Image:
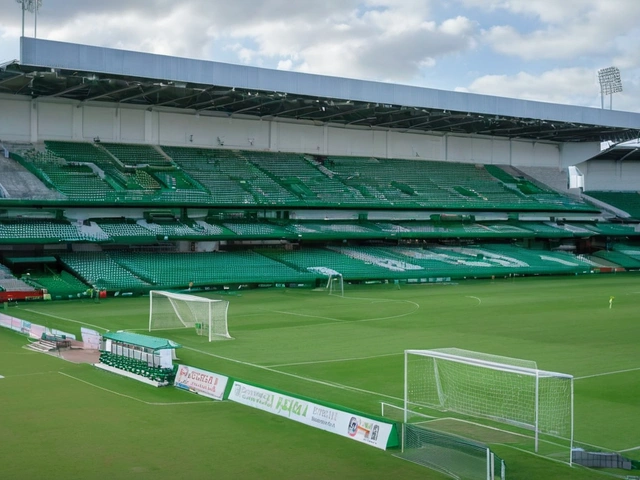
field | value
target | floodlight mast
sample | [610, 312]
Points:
[610, 83]
[32, 6]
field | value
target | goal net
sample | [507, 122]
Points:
[169, 310]
[493, 387]
[335, 285]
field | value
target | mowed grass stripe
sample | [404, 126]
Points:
[562, 323]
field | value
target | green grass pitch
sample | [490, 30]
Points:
[60, 420]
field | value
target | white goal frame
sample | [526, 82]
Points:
[335, 285]
[207, 316]
[531, 390]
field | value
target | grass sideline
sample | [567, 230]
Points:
[82, 422]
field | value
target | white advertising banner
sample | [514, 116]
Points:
[203, 383]
[349, 425]
[90, 338]
[36, 331]
[5, 320]
[28, 328]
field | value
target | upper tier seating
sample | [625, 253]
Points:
[626, 201]
[197, 176]
[38, 231]
[230, 178]
[130, 154]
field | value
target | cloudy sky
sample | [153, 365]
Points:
[548, 50]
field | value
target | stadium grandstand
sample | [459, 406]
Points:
[127, 172]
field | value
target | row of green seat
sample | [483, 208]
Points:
[59, 285]
[138, 367]
[139, 173]
[143, 271]
[120, 230]
[628, 202]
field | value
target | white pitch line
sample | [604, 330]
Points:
[534, 454]
[332, 361]
[129, 396]
[630, 449]
[607, 373]
[30, 374]
[346, 322]
[299, 377]
[65, 319]
[575, 465]
[476, 298]
[309, 316]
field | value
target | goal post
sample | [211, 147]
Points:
[335, 285]
[168, 310]
[501, 389]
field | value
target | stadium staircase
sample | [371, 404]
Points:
[43, 345]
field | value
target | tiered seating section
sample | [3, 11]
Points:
[178, 175]
[59, 285]
[628, 202]
[143, 271]
[150, 231]
[138, 367]
[131, 271]
[9, 283]
[17, 230]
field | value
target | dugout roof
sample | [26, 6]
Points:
[137, 339]
[84, 73]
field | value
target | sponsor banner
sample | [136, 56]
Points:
[26, 327]
[207, 384]
[349, 425]
[36, 331]
[16, 324]
[31, 329]
[90, 338]
[5, 320]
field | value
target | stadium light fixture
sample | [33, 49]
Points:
[32, 6]
[610, 83]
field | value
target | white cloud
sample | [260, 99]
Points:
[556, 45]
[568, 28]
[374, 39]
[381, 45]
[576, 86]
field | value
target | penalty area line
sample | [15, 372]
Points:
[332, 361]
[129, 396]
[607, 373]
[65, 319]
[630, 449]
[299, 377]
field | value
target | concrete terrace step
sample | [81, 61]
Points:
[43, 346]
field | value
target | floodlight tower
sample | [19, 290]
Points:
[32, 6]
[610, 83]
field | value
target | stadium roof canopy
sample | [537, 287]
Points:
[629, 152]
[94, 74]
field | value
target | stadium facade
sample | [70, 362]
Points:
[125, 172]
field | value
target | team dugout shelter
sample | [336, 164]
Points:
[139, 355]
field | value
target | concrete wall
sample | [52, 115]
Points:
[611, 175]
[23, 119]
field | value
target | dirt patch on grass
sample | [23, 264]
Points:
[80, 355]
